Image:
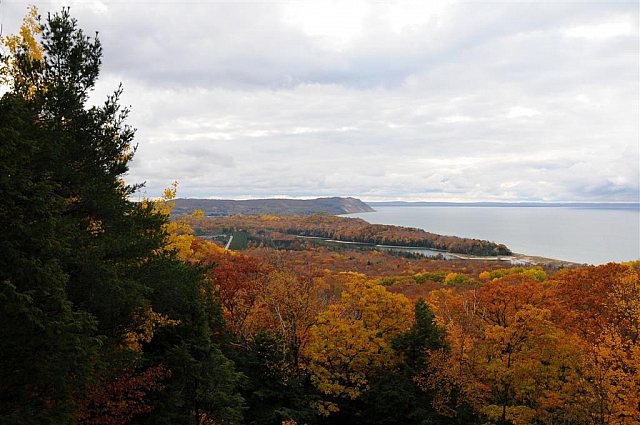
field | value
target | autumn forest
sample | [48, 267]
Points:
[115, 311]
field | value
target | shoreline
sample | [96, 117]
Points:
[515, 258]
[522, 259]
[566, 237]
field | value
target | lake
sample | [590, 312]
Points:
[581, 235]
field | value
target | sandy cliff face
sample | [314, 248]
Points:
[353, 205]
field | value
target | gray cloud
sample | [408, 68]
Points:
[421, 101]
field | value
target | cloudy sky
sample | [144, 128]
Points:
[433, 101]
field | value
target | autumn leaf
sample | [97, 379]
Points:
[353, 338]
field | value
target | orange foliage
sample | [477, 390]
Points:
[238, 280]
[349, 229]
[524, 344]
[118, 401]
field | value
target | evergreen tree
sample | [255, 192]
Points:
[275, 390]
[48, 349]
[424, 335]
[91, 303]
[395, 390]
[203, 380]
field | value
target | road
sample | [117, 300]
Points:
[228, 243]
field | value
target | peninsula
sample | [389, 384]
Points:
[225, 207]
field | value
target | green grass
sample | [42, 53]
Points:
[239, 241]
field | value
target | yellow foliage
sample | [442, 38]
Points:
[440, 301]
[324, 408]
[179, 232]
[614, 362]
[516, 415]
[267, 217]
[353, 338]
[23, 44]
[535, 362]
[484, 276]
[455, 279]
[145, 321]
[95, 227]
[536, 272]
[291, 302]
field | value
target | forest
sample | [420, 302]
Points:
[112, 312]
[348, 230]
[221, 207]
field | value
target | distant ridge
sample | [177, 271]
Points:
[591, 205]
[223, 207]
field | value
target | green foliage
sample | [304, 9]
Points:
[45, 356]
[80, 260]
[536, 272]
[419, 278]
[394, 399]
[202, 387]
[456, 279]
[395, 390]
[425, 335]
[203, 380]
[47, 349]
[239, 241]
[274, 390]
[422, 278]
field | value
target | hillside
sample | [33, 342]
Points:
[346, 229]
[224, 207]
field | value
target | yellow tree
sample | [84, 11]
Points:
[179, 232]
[352, 339]
[21, 59]
[145, 322]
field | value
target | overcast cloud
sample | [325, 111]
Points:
[434, 101]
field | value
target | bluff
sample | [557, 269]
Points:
[224, 207]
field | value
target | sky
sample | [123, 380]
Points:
[386, 100]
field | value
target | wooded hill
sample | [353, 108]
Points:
[348, 229]
[221, 207]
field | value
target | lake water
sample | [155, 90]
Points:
[581, 235]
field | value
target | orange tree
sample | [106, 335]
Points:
[601, 305]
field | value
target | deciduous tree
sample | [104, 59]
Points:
[353, 339]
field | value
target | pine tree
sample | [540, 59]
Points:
[48, 349]
[91, 301]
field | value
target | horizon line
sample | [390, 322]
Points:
[309, 198]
